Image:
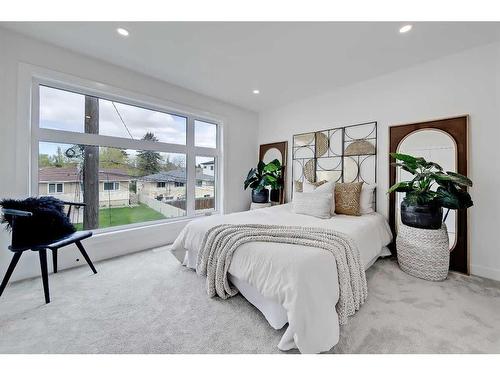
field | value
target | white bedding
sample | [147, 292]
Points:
[301, 280]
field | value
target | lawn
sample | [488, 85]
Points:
[111, 217]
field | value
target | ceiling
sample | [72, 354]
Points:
[286, 61]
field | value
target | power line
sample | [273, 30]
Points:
[123, 122]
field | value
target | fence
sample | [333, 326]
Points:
[200, 203]
[165, 209]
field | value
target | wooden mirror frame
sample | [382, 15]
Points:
[282, 147]
[457, 128]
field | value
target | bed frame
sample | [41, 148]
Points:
[343, 154]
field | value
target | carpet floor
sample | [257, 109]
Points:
[147, 303]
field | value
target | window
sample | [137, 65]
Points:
[115, 119]
[127, 161]
[111, 186]
[56, 188]
[205, 183]
[205, 134]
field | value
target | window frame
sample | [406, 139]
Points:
[107, 92]
[116, 185]
[55, 187]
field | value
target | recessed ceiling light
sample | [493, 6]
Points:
[405, 29]
[256, 92]
[122, 31]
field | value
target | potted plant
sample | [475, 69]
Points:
[422, 206]
[275, 179]
[262, 177]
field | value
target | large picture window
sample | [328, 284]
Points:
[128, 163]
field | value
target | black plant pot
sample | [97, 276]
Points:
[421, 216]
[260, 196]
[275, 195]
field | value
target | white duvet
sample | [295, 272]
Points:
[301, 279]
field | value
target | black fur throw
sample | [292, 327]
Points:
[48, 223]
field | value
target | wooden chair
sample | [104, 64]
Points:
[42, 248]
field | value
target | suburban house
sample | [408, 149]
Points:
[66, 183]
[171, 185]
[208, 168]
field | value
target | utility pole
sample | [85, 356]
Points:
[91, 166]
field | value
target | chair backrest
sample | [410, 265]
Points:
[13, 217]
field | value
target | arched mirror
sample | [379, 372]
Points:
[272, 154]
[444, 142]
[439, 147]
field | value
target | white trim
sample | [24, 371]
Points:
[487, 272]
[30, 77]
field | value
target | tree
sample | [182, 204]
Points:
[44, 161]
[149, 162]
[113, 158]
[59, 160]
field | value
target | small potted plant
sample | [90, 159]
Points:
[262, 177]
[275, 179]
[422, 206]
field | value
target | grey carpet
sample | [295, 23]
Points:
[148, 303]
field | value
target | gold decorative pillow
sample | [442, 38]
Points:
[348, 198]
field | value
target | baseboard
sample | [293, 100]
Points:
[490, 273]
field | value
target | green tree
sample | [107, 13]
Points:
[149, 162]
[113, 158]
[59, 159]
[44, 161]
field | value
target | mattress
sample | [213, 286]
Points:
[290, 283]
[274, 313]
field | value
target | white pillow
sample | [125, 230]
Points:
[313, 204]
[366, 200]
[327, 187]
[307, 187]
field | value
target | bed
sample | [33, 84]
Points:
[291, 284]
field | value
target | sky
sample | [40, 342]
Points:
[63, 110]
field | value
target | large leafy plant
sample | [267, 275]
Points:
[451, 190]
[265, 175]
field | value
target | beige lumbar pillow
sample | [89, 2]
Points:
[347, 198]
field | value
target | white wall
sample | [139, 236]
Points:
[240, 141]
[465, 83]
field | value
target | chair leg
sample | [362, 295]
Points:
[54, 260]
[45, 274]
[8, 274]
[85, 255]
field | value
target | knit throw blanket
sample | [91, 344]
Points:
[220, 242]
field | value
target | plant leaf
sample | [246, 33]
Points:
[431, 164]
[403, 186]
[408, 167]
[403, 157]
[460, 179]
[260, 166]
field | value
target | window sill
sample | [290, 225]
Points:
[152, 224]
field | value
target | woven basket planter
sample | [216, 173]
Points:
[423, 253]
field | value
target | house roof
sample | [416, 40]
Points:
[177, 175]
[71, 174]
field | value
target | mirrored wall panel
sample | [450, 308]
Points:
[344, 154]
